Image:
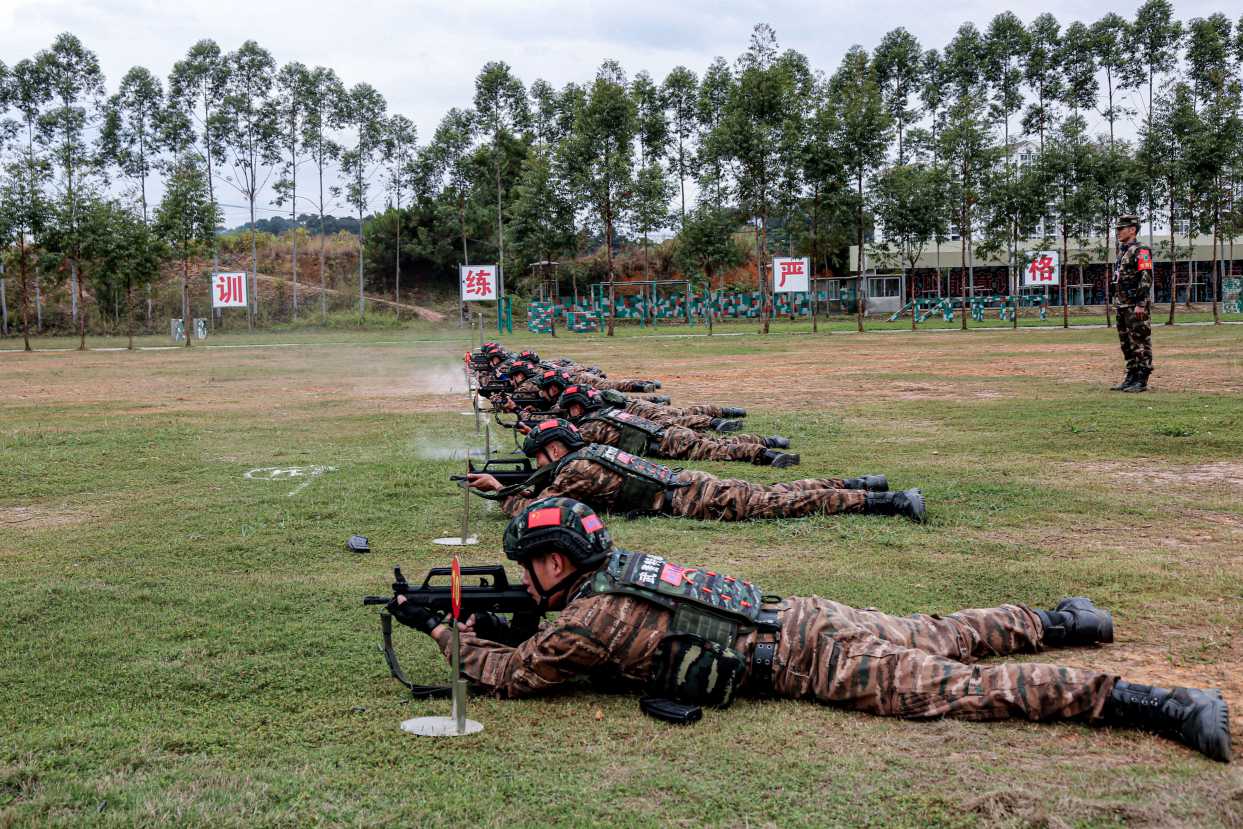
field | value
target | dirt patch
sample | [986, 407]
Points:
[39, 517]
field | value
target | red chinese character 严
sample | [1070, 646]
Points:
[794, 268]
[477, 283]
[1041, 269]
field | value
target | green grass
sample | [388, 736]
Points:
[187, 647]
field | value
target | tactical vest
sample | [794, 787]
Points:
[643, 480]
[638, 434]
[613, 397]
[696, 662]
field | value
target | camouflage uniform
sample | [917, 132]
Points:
[679, 443]
[586, 378]
[1132, 282]
[692, 417]
[913, 667]
[700, 495]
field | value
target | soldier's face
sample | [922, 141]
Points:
[1126, 235]
[576, 410]
[548, 569]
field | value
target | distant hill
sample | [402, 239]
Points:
[310, 221]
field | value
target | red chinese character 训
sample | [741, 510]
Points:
[1041, 268]
[478, 283]
[229, 289]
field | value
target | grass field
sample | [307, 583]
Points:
[187, 646]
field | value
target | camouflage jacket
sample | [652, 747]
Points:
[610, 638]
[581, 479]
[1133, 275]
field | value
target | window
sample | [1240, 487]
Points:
[885, 286]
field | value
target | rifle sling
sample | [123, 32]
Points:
[394, 667]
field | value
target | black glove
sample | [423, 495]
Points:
[490, 626]
[414, 616]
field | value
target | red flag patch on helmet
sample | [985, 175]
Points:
[548, 424]
[571, 390]
[592, 524]
[546, 517]
[549, 373]
[1143, 260]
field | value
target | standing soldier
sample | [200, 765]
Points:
[1132, 282]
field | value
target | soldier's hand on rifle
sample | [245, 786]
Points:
[523, 428]
[1141, 312]
[414, 616]
[483, 482]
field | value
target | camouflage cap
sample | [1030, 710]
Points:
[1128, 220]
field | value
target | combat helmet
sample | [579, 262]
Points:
[547, 431]
[554, 377]
[570, 527]
[585, 396]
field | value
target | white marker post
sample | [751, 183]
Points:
[466, 540]
[455, 725]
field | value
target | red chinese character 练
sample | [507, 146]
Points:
[477, 283]
[1041, 269]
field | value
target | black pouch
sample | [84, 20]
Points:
[666, 710]
[696, 671]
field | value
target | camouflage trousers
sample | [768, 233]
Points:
[729, 499]
[619, 385]
[1135, 337]
[680, 443]
[921, 666]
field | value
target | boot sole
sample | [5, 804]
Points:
[729, 426]
[1214, 723]
[786, 460]
[918, 508]
[1104, 633]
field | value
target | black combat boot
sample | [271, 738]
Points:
[1076, 621]
[720, 424]
[733, 411]
[909, 504]
[661, 399]
[1195, 717]
[872, 483]
[780, 460]
[775, 441]
[1127, 381]
[653, 385]
[1140, 384]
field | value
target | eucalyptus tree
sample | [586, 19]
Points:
[252, 137]
[653, 188]
[1006, 44]
[446, 162]
[130, 137]
[1043, 71]
[196, 89]
[324, 95]
[1071, 165]
[1152, 43]
[292, 103]
[1109, 38]
[362, 113]
[825, 178]
[24, 213]
[186, 221]
[934, 95]
[501, 107]
[680, 89]
[861, 134]
[898, 73]
[541, 215]
[119, 251]
[1167, 141]
[400, 149]
[76, 82]
[715, 91]
[543, 108]
[8, 129]
[29, 95]
[908, 200]
[597, 159]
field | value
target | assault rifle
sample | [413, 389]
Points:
[507, 471]
[492, 594]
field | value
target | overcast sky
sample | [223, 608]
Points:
[424, 56]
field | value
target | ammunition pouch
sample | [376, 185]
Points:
[698, 671]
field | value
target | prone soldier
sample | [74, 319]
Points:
[689, 637]
[554, 381]
[1132, 282]
[612, 480]
[610, 426]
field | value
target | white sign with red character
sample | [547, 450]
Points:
[1043, 268]
[228, 290]
[791, 276]
[478, 283]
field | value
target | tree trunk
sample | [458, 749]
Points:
[397, 277]
[1062, 280]
[608, 250]
[323, 241]
[252, 307]
[186, 314]
[962, 285]
[129, 314]
[81, 313]
[4, 304]
[1216, 272]
[24, 274]
[38, 306]
[859, 261]
[362, 307]
[1173, 265]
[500, 235]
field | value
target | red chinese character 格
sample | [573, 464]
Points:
[1041, 268]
